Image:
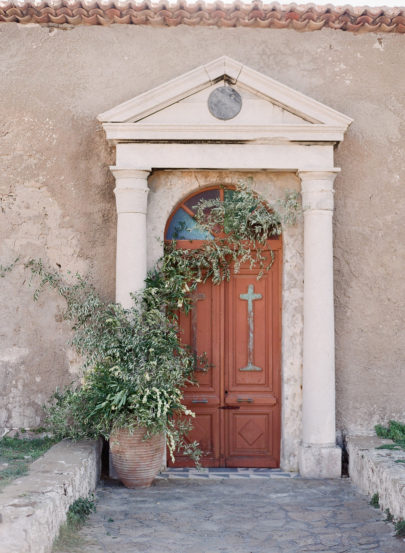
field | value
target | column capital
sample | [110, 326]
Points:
[126, 173]
[317, 189]
[131, 191]
[321, 174]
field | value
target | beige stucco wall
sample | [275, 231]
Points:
[57, 201]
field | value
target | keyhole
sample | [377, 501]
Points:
[226, 391]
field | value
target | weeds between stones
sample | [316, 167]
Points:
[400, 528]
[76, 517]
[398, 525]
[395, 432]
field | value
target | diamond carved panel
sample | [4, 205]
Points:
[250, 432]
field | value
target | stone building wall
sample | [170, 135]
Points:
[56, 191]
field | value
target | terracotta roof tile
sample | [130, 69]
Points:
[308, 17]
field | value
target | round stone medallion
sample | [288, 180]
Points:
[224, 103]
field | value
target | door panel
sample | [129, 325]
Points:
[200, 329]
[249, 438]
[206, 425]
[249, 333]
[237, 403]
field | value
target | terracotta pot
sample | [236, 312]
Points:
[136, 461]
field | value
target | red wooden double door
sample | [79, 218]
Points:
[237, 403]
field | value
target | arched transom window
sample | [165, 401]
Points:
[182, 225]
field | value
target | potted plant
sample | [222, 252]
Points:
[131, 390]
[135, 366]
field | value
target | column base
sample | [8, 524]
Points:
[320, 462]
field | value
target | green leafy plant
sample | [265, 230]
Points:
[76, 517]
[395, 432]
[388, 516]
[241, 225]
[375, 501]
[135, 365]
[80, 510]
[135, 368]
[400, 528]
[4, 269]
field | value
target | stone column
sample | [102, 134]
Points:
[318, 457]
[131, 194]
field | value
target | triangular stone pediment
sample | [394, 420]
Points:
[179, 109]
[193, 110]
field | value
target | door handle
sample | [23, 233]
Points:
[245, 400]
[230, 407]
[199, 400]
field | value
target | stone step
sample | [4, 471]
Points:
[216, 473]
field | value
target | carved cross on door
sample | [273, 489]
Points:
[250, 297]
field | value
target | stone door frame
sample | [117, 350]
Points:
[306, 149]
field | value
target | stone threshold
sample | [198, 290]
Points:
[375, 470]
[33, 507]
[218, 473]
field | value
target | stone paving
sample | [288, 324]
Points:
[253, 515]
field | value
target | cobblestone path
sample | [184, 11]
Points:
[238, 516]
